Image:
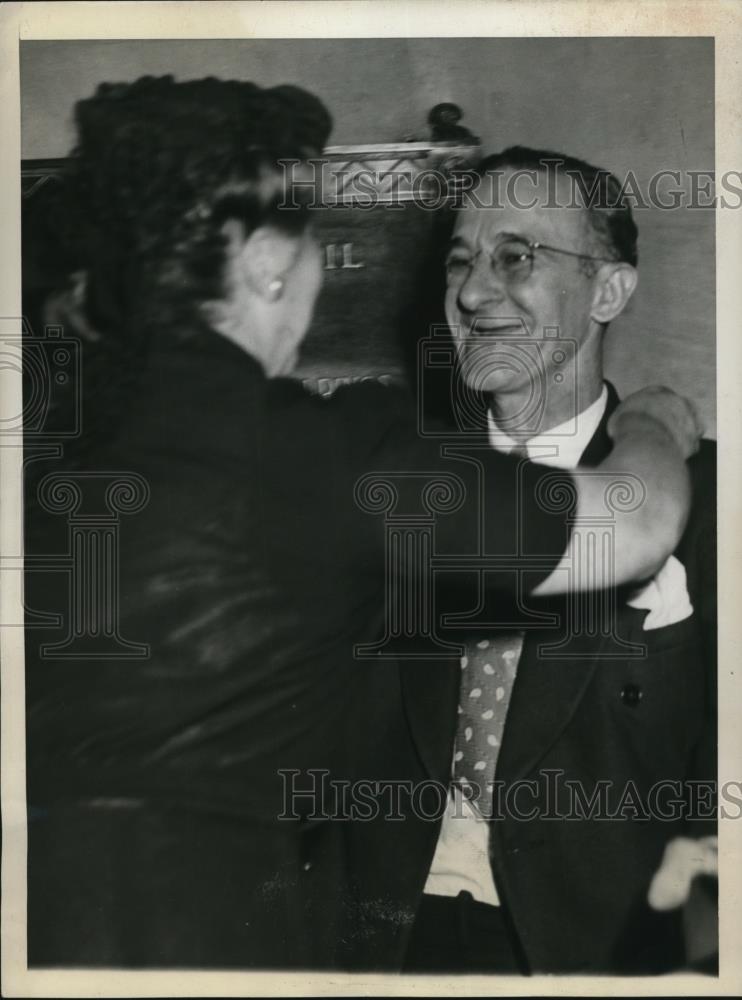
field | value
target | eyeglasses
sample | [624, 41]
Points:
[512, 260]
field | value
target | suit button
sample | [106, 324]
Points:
[631, 695]
[307, 866]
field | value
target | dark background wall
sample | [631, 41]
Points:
[639, 104]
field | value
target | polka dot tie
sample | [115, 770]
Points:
[488, 671]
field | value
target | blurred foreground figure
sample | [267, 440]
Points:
[247, 572]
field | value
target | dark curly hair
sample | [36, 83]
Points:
[598, 190]
[158, 168]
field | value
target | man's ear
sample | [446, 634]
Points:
[263, 258]
[614, 286]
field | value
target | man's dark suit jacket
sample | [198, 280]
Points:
[574, 889]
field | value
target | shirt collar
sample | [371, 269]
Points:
[561, 446]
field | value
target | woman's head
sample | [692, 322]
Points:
[182, 204]
[271, 279]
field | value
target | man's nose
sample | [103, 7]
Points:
[481, 286]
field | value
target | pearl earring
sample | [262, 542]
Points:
[275, 288]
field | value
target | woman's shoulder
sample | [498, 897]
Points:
[345, 428]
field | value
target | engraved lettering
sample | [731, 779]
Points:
[341, 258]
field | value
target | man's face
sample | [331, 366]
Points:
[498, 316]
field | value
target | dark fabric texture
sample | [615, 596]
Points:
[461, 935]
[154, 785]
[574, 889]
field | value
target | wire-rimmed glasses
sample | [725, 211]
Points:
[512, 260]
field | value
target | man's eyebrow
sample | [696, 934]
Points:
[455, 242]
[512, 236]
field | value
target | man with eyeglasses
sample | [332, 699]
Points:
[570, 732]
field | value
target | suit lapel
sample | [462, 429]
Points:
[430, 691]
[548, 689]
[600, 443]
[545, 695]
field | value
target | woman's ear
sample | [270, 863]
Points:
[263, 258]
[614, 286]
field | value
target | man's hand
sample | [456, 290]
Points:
[677, 415]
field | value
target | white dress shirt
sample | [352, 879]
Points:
[461, 860]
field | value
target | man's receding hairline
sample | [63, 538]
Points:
[589, 231]
[584, 178]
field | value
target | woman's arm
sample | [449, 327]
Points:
[655, 431]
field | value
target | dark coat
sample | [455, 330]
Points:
[618, 705]
[156, 784]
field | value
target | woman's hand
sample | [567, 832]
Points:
[677, 415]
[684, 859]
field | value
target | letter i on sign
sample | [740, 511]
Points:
[340, 257]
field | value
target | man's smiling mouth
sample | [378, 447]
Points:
[487, 327]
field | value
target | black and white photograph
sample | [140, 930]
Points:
[362, 627]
